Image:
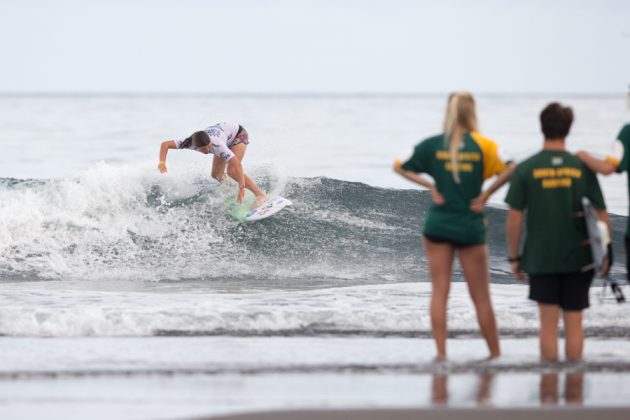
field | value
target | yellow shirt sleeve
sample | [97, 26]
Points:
[493, 163]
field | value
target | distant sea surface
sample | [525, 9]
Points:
[353, 138]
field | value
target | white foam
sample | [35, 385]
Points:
[105, 223]
[59, 309]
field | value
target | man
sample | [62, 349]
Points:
[550, 186]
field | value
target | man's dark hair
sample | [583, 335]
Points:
[556, 120]
[200, 139]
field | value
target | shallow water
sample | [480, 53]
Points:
[167, 377]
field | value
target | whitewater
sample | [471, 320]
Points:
[116, 252]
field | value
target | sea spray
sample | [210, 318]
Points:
[130, 223]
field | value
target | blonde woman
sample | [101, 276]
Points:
[459, 161]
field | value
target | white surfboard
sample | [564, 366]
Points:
[599, 236]
[268, 208]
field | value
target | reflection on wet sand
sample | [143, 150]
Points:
[440, 395]
[548, 390]
[573, 388]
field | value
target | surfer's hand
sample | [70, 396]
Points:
[240, 196]
[478, 204]
[437, 197]
[516, 270]
[162, 168]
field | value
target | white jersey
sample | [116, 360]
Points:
[222, 136]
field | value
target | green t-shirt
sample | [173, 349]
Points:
[479, 158]
[619, 157]
[550, 185]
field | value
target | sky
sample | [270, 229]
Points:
[317, 46]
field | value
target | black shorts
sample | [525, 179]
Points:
[454, 244]
[567, 290]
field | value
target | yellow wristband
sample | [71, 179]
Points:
[162, 162]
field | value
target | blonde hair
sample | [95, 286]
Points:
[460, 119]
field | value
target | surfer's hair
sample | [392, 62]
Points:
[200, 139]
[556, 120]
[461, 118]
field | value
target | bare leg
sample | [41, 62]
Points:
[574, 335]
[218, 173]
[549, 316]
[218, 168]
[440, 257]
[474, 260]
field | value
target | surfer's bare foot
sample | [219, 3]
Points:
[260, 199]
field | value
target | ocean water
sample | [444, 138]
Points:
[122, 286]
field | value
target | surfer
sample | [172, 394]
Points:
[556, 255]
[228, 143]
[618, 161]
[459, 160]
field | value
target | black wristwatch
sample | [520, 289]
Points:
[514, 259]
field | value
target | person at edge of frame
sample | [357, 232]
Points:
[617, 160]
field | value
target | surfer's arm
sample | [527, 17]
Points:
[513, 231]
[602, 166]
[235, 171]
[504, 176]
[168, 144]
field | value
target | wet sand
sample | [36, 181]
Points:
[555, 413]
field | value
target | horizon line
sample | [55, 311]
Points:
[291, 94]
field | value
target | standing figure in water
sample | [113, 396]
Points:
[458, 160]
[556, 255]
[228, 143]
[617, 160]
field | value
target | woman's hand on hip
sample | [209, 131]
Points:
[437, 197]
[478, 204]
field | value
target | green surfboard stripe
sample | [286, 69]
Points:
[238, 211]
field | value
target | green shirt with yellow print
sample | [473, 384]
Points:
[478, 159]
[550, 185]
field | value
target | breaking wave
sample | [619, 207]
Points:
[118, 223]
